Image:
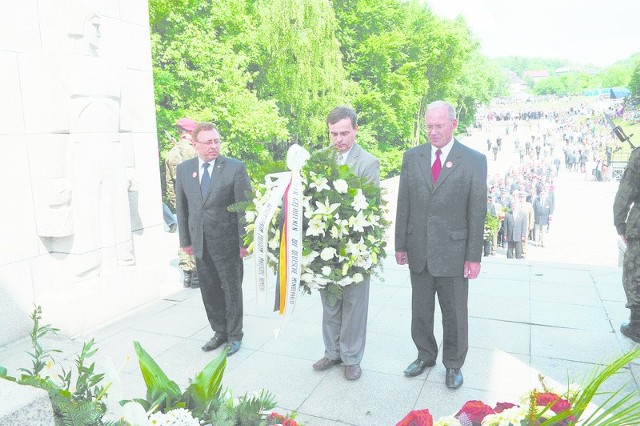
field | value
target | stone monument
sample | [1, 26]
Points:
[79, 177]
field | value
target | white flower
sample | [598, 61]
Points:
[325, 209]
[346, 281]
[250, 216]
[341, 186]
[447, 421]
[306, 278]
[320, 183]
[177, 417]
[358, 222]
[358, 277]
[335, 232]
[315, 228]
[509, 416]
[359, 201]
[326, 271]
[327, 253]
[306, 260]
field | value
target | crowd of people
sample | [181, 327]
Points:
[574, 139]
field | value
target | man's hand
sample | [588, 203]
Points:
[244, 252]
[188, 250]
[471, 270]
[401, 258]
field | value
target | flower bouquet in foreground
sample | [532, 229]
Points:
[85, 397]
[343, 225]
[548, 407]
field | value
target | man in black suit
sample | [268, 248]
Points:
[442, 204]
[205, 187]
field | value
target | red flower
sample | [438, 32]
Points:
[417, 418]
[559, 404]
[275, 418]
[475, 411]
[501, 406]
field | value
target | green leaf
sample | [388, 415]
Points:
[158, 384]
[205, 386]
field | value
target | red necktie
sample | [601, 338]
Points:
[437, 166]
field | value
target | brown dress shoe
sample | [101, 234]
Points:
[352, 372]
[325, 363]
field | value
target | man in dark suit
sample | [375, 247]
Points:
[542, 212]
[344, 323]
[442, 204]
[205, 187]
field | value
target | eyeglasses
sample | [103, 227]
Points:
[209, 143]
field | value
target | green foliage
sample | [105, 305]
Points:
[491, 225]
[161, 392]
[76, 402]
[246, 411]
[39, 356]
[634, 81]
[619, 408]
[297, 63]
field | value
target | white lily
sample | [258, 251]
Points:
[358, 222]
[359, 201]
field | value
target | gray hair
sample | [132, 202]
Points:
[442, 104]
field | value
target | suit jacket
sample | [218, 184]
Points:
[363, 164]
[208, 217]
[542, 209]
[441, 225]
[516, 226]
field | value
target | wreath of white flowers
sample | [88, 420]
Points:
[343, 225]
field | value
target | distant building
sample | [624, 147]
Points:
[563, 70]
[536, 75]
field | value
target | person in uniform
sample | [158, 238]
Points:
[182, 151]
[626, 218]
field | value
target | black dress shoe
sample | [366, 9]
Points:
[214, 343]
[417, 367]
[454, 378]
[233, 346]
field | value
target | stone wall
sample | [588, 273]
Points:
[79, 177]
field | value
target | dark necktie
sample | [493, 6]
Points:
[437, 166]
[205, 183]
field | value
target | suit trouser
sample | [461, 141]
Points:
[344, 325]
[452, 296]
[514, 245]
[539, 233]
[221, 289]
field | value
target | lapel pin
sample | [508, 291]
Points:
[195, 174]
[449, 164]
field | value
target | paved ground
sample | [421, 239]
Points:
[556, 313]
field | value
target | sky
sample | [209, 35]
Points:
[598, 32]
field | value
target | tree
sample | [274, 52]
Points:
[296, 63]
[200, 70]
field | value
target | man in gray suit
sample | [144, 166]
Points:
[344, 324]
[515, 228]
[205, 187]
[442, 204]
